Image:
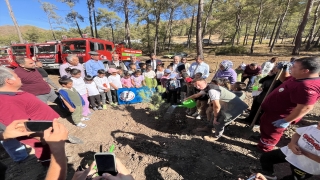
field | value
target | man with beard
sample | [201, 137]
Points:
[32, 81]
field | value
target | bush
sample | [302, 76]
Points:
[229, 50]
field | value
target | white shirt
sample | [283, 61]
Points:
[213, 94]
[159, 74]
[92, 89]
[266, 67]
[117, 63]
[79, 85]
[150, 74]
[309, 141]
[154, 64]
[202, 67]
[115, 80]
[102, 83]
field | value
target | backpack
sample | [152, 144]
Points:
[172, 85]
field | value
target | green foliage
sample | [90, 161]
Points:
[229, 50]
[151, 82]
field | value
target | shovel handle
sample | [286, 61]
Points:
[268, 92]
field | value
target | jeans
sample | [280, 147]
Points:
[103, 97]
[51, 97]
[16, 150]
[268, 159]
[250, 82]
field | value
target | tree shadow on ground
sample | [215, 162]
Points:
[190, 157]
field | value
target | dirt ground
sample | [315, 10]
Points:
[156, 149]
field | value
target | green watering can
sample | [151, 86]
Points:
[190, 103]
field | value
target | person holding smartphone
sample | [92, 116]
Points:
[123, 173]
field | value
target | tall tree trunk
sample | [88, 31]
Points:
[95, 19]
[246, 34]
[295, 35]
[126, 22]
[274, 29]
[168, 29]
[79, 30]
[190, 29]
[305, 39]
[311, 33]
[53, 35]
[238, 26]
[207, 18]
[14, 21]
[89, 3]
[156, 34]
[111, 26]
[280, 25]
[264, 31]
[315, 35]
[148, 34]
[199, 29]
[210, 34]
[256, 28]
[297, 45]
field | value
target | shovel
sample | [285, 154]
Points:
[249, 129]
[190, 103]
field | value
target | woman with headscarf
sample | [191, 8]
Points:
[226, 72]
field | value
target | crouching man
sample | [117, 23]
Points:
[226, 107]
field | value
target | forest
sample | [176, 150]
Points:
[157, 25]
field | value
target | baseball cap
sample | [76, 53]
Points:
[93, 53]
[167, 71]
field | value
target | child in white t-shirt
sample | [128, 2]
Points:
[103, 85]
[93, 92]
[115, 84]
[159, 73]
[302, 153]
[149, 72]
[80, 86]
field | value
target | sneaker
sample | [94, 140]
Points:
[198, 117]
[89, 114]
[85, 119]
[195, 114]
[95, 108]
[211, 138]
[104, 106]
[81, 125]
[99, 108]
[74, 140]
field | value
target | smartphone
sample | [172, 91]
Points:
[106, 163]
[37, 126]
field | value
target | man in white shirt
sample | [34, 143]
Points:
[72, 63]
[116, 63]
[199, 66]
[268, 66]
[153, 61]
[176, 63]
[303, 154]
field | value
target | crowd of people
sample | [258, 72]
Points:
[220, 101]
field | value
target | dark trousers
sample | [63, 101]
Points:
[114, 96]
[3, 169]
[254, 109]
[95, 100]
[250, 82]
[172, 94]
[270, 158]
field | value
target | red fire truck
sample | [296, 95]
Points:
[81, 47]
[49, 54]
[22, 50]
[6, 58]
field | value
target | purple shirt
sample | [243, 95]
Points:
[229, 74]
[251, 72]
[66, 65]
